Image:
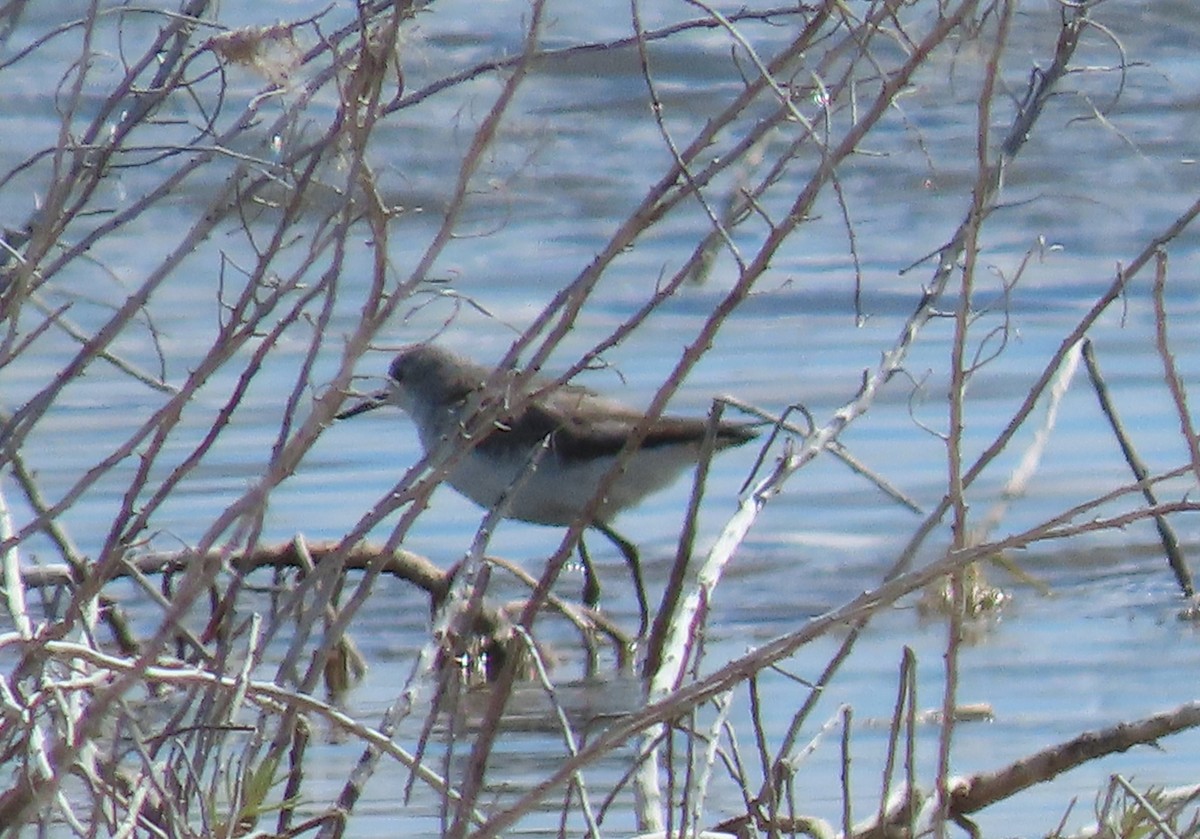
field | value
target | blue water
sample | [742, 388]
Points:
[575, 155]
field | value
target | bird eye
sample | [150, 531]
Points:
[396, 373]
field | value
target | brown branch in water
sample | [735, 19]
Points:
[971, 794]
[978, 791]
[401, 564]
[492, 623]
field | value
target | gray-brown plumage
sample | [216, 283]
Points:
[585, 433]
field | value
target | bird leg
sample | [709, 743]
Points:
[591, 583]
[635, 569]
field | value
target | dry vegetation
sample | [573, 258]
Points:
[154, 104]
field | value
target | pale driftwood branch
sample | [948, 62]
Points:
[679, 646]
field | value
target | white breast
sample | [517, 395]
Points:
[556, 491]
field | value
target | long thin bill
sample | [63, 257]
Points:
[377, 400]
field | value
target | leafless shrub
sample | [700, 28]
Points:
[176, 730]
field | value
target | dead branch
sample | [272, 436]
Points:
[972, 794]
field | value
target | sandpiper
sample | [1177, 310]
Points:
[584, 433]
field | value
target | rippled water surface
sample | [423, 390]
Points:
[1095, 641]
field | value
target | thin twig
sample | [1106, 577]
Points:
[1166, 533]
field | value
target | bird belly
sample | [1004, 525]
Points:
[557, 490]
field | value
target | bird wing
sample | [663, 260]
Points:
[583, 425]
[579, 423]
